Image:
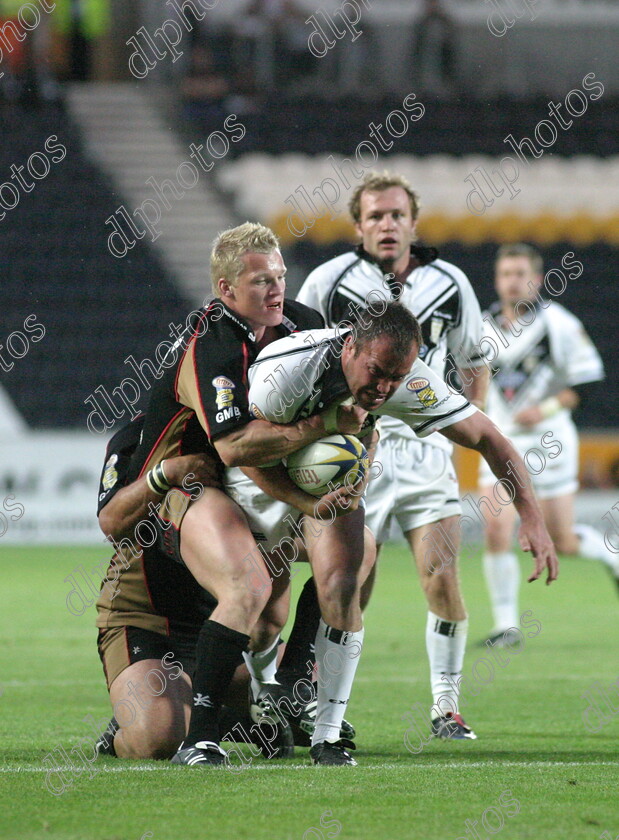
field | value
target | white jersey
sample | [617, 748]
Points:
[436, 292]
[552, 353]
[301, 375]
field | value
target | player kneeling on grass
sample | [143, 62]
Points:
[151, 610]
[373, 363]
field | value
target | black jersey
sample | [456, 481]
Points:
[154, 591]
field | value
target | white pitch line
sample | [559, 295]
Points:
[586, 680]
[43, 683]
[275, 766]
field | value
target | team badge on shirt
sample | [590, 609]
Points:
[425, 394]
[224, 388]
[110, 474]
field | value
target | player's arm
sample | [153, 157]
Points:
[134, 502]
[479, 432]
[567, 398]
[276, 482]
[475, 382]
[261, 441]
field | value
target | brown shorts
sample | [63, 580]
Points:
[120, 647]
[168, 524]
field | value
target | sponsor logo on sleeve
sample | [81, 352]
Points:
[425, 394]
[110, 474]
[224, 399]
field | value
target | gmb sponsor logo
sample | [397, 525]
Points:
[224, 399]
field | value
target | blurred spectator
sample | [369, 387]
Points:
[272, 38]
[81, 22]
[434, 49]
[204, 90]
[26, 54]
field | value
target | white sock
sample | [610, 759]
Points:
[592, 547]
[502, 572]
[445, 643]
[262, 665]
[337, 656]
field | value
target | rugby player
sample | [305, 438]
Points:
[151, 611]
[544, 362]
[375, 364]
[417, 489]
[204, 381]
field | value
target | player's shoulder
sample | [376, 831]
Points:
[126, 439]
[561, 317]
[452, 272]
[330, 271]
[219, 331]
[298, 316]
[296, 344]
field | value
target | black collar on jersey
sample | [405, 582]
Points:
[237, 319]
[421, 253]
[424, 254]
[286, 327]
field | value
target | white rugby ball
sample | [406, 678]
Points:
[337, 459]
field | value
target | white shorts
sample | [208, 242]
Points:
[273, 524]
[270, 521]
[418, 485]
[553, 473]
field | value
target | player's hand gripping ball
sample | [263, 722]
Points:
[329, 463]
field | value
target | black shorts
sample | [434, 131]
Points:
[120, 647]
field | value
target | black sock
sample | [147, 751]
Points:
[300, 644]
[218, 653]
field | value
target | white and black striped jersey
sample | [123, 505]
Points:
[302, 375]
[551, 353]
[436, 292]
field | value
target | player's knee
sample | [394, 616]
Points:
[442, 586]
[159, 745]
[251, 600]
[340, 586]
[154, 736]
[565, 543]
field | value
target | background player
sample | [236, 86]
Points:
[418, 487]
[545, 361]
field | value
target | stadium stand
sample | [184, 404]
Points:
[55, 263]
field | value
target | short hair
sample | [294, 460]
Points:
[521, 249]
[379, 182]
[231, 245]
[395, 321]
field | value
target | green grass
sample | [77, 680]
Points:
[532, 740]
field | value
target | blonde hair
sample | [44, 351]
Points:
[379, 182]
[231, 245]
[521, 249]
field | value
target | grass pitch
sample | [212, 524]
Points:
[534, 772]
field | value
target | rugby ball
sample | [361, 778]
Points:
[337, 459]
